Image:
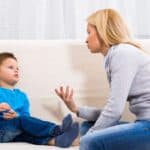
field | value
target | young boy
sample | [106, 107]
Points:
[16, 124]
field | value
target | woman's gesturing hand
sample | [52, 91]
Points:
[66, 94]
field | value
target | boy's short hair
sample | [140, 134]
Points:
[5, 55]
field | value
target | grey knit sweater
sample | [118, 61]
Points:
[128, 71]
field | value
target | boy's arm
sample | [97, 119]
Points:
[25, 111]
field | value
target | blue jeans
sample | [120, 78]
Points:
[28, 129]
[123, 136]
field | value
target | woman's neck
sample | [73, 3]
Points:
[105, 51]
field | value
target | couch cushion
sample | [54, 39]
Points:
[26, 146]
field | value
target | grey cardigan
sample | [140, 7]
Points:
[128, 72]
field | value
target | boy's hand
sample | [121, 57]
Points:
[4, 107]
[10, 114]
[7, 112]
[66, 94]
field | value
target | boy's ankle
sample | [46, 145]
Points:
[51, 142]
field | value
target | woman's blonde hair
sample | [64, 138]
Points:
[111, 27]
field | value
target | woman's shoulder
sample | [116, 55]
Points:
[125, 48]
[127, 55]
[126, 51]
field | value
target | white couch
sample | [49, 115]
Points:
[47, 64]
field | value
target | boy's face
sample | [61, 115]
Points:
[9, 72]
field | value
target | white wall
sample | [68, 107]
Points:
[48, 64]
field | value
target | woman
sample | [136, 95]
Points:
[128, 70]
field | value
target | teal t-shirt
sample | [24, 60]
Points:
[17, 100]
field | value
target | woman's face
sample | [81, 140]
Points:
[94, 43]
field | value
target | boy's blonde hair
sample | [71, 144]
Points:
[111, 27]
[5, 55]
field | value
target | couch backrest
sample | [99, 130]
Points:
[47, 64]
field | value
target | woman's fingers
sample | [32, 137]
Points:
[71, 94]
[57, 92]
[67, 92]
[64, 93]
[60, 92]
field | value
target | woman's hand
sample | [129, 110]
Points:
[66, 94]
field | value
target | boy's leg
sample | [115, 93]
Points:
[131, 136]
[41, 132]
[40, 128]
[34, 127]
[24, 137]
[37, 127]
[63, 140]
[9, 130]
[36, 131]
